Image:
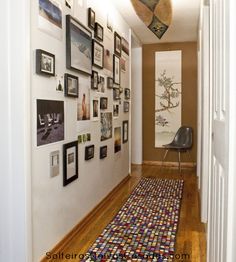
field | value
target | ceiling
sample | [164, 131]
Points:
[184, 26]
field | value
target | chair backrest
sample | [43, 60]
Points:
[184, 137]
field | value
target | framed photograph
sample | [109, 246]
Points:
[123, 64]
[125, 45]
[126, 106]
[88, 137]
[101, 84]
[45, 63]
[103, 152]
[108, 62]
[115, 110]
[116, 93]
[116, 69]
[98, 32]
[127, 93]
[91, 18]
[95, 108]
[109, 82]
[117, 44]
[117, 141]
[125, 131]
[98, 54]
[78, 46]
[89, 152]
[70, 162]
[54, 163]
[71, 85]
[83, 101]
[94, 80]
[103, 102]
[106, 126]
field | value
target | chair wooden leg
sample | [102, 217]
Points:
[179, 163]
[167, 150]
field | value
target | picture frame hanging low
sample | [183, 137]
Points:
[71, 85]
[103, 152]
[45, 63]
[70, 162]
[89, 152]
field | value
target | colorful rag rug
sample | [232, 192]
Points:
[145, 227]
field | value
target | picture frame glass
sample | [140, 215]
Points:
[98, 54]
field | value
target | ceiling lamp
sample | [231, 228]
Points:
[156, 14]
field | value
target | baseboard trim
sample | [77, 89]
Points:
[170, 164]
[60, 246]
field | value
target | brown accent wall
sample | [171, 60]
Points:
[189, 97]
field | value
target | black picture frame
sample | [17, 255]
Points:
[125, 46]
[103, 103]
[94, 80]
[45, 63]
[103, 152]
[91, 18]
[78, 51]
[127, 93]
[98, 54]
[117, 44]
[125, 131]
[116, 69]
[110, 82]
[98, 32]
[89, 152]
[126, 106]
[71, 83]
[70, 156]
[116, 93]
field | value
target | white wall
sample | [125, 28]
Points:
[136, 124]
[57, 209]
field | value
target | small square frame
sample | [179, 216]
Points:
[89, 155]
[67, 77]
[45, 63]
[98, 32]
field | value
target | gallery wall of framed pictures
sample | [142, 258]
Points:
[80, 81]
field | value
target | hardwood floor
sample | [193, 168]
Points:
[191, 239]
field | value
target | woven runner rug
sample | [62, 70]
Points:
[145, 227]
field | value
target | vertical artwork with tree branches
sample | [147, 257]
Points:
[167, 96]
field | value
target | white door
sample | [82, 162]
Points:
[218, 182]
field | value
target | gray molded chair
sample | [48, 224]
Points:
[182, 142]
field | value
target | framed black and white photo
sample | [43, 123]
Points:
[94, 80]
[127, 93]
[98, 54]
[78, 46]
[109, 82]
[103, 152]
[116, 93]
[116, 69]
[98, 32]
[89, 152]
[45, 63]
[116, 110]
[125, 131]
[117, 44]
[70, 162]
[103, 103]
[71, 85]
[91, 18]
[126, 106]
[95, 108]
[54, 163]
[101, 84]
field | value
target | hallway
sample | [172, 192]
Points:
[191, 237]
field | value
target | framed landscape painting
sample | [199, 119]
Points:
[78, 46]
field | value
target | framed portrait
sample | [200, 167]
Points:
[78, 46]
[126, 106]
[94, 80]
[54, 163]
[101, 84]
[70, 162]
[116, 93]
[127, 93]
[45, 63]
[125, 131]
[89, 152]
[83, 101]
[117, 141]
[71, 85]
[91, 18]
[98, 54]
[103, 103]
[125, 46]
[95, 108]
[103, 152]
[116, 69]
[115, 110]
[117, 44]
[109, 82]
[98, 32]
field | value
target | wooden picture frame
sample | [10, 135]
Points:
[98, 54]
[125, 131]
[45, 63]
[91, 18]
[117, 44]
[78, 46]
[70, 162]
[89, 152]
[98, 32]
[116, 69]
[71, 83]
[94, 80]
[103, 152]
